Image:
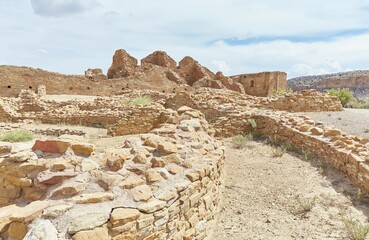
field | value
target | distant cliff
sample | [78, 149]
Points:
[356, 81]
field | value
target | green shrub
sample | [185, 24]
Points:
[344, 95]
[141, 101]
[17, 136]
[355, 230]
[239, 141]
[252, 122]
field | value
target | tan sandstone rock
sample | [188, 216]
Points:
[123, 65]
[87, 222]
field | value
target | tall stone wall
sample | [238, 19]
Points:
[262, 84]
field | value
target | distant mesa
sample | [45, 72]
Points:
[355, 81]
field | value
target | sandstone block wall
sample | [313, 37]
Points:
[262, 84]
[156, 186]
[304, 101]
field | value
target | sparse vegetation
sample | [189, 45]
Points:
[366, 130]
[344, 95]
[240, 141]
[305, 155]
[141, 101]
[306, 204]
[17, 136]
[355, 230]
[282, 92]
[252, 123]
[279, 151]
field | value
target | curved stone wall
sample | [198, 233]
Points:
[157, 185]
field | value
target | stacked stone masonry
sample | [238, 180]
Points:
[156, 186]
[161, 184]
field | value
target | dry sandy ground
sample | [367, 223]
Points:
[263, 196]
[354, 121]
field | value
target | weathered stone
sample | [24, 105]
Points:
[17, 230]
[56, 211]
[152, 176]
[152, 206]
[142, 193]
[94, 234]
[95, 74]
[316, 131]
[88, 165]
[123, 65]
[106, 180]
[51, 146]
[115, 162]
[42, 230]
[23, 157]
[160, 58]
[20, 182]
[93, 197]
[167, 148]
[157, 162]
[5, 148]
[33, 193]
[131, 182]
[29, 212]
[332, 132]
[83, 148]
[193, 176]
[87, 222]
[121, 216]
[69, 189]
[140, 158]
[51, 178]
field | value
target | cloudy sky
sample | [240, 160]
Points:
[234, 36]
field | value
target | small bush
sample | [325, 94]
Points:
[279, 151]
[306, 204]
[141, 101]
[355, 230]
[239, 141]
[252, 123]
[366, 130]
[17, 136]
[344, 95]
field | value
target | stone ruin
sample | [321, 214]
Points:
[164, 178]
[158, 71]
[95, 74]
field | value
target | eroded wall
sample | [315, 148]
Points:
[262, 84]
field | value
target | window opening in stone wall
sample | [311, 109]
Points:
[252, 83]
[30, 87]
[9, 86]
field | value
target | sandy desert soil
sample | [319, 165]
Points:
[263, 197]
[354, 121]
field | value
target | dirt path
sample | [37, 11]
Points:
[354, 121]
[262, 194]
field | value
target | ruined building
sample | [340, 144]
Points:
[262, 84]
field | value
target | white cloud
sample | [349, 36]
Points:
[60, 8]
[221, 66]
[196, 28]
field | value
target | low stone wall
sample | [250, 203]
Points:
[157, 186]
[304, 101]
[349, 154]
